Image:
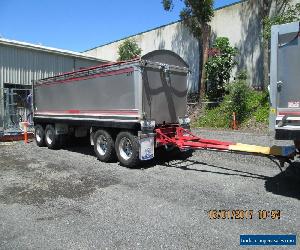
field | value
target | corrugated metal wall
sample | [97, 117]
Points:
[21, 65]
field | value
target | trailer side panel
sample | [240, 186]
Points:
[110, 94]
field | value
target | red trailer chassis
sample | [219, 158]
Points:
[184, 139]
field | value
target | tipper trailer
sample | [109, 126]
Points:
[127, 109]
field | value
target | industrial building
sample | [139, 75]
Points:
[240, 22]
[20, 64]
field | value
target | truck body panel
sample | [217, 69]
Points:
[129, 92]
[164, 95]
[88, 94]
[288, 72]
[285, 81]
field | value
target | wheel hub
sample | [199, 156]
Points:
[49, 136]
[38, 135]
[101, 145]
[125, 148]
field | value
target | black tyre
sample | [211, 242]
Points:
[297, 145]
[104, 146]
[127, 149]
[184, 155]
[39, 135]
[51, 139]
[175, 153]
[63, 140]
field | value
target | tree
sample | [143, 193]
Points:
[128, 50]
[288, 15]
[219, 67]
[196, 15]
[273, 12]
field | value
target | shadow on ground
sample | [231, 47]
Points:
[286, 183]
[81, 146]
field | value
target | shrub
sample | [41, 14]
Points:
[238, 92]
[259, 106]
[244, 101]
[129, 49]
[219, 67]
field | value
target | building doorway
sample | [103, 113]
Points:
[17, 106]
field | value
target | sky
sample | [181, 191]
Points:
[80, 25]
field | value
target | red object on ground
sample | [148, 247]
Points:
[184, 139]
[25, 137]
[25, 124]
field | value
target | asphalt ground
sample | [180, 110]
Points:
[67, 199]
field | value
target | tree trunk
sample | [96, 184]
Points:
[266, 67]
[203, 54]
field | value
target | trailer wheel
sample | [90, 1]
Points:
[51, 139]
[39, 135]
[104, 146]
[127, 148]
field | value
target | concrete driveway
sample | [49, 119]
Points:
[67, 199]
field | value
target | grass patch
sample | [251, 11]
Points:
[248, 104]
[217, 117]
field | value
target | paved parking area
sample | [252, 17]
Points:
[67, 199]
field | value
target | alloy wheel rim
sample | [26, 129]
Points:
[49, 136]
[101, 145]
[38, 135]
[125, 148]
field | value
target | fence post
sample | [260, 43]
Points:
[234, 121]
[25, 132]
